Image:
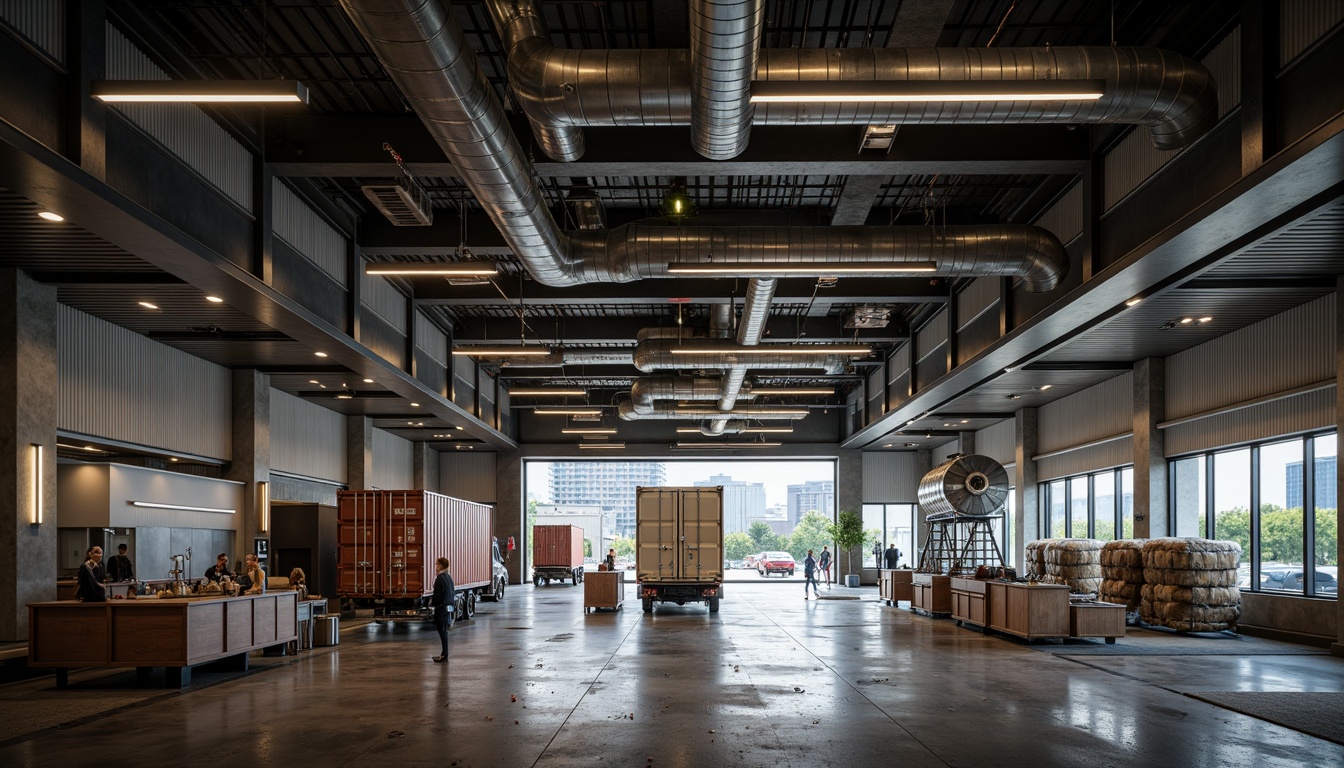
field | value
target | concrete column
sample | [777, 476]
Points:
[509, 511]
[1150, 461]
[1027, 526]
[420, 479]
[358, 453]
[966, 442]
[251, 462]
[28, 387]
[849, 495]
[923, 463]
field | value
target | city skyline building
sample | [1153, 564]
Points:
[1327, 483]
[742, 501]
[608, 485]
[812, 495]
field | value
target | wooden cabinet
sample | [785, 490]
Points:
[603, 589]
[893, 586]
[969, 601]
[1028, 610]
[931, 594]
[1097, 620]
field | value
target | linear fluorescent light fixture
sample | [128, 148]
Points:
[801, 268]
[201, 91]
[593, 431]
[744, 431]
[445, 269]
[547, 392]
[263, 506]
[157, 505]
[35, 484]
[777, 349]
[567, 411]
[600, 446]
[502, 351]
[925, 91]
[708, 444]
[795, 391]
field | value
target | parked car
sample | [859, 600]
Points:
[775, 562]
[1289, 579]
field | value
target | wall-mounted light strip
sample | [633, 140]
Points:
[600, 446]
[444, 269]
[744, 431]
[777, 349]
[201, 91]
[35, 484]
[511, 351]
[800, 269]
[523, 392]
[263, 506]
[796, 391]
[727, 445]
[157, 505]
[567, 411]
[925, 91]
[592, 431]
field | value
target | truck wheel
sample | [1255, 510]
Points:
[547, 582]
[536, 581]
[574, 579]
[471, 604]
[648, 605]
[499, 591]
[713, 605]
[460, 609]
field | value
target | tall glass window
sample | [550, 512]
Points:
[1127, 502]
[896, 525]
[1058, 523]
[1232, 505]
[1087, 506]
[1103, 502]
[1325, 541]
[1078, 507]
[1190, 500]
[1281, 521]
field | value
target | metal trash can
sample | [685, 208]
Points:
[327, 630]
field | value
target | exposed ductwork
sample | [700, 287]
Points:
[649, 390]
[424, 52]
[725, 39]
[656, 355]
[563, 90]
[755, 312]
[664, 411]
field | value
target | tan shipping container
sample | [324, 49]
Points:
[679, 545]
[557, 546]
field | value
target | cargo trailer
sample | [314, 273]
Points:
[557, 554]
[679, 546]
[390, 541]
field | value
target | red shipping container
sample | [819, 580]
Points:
[557, 546]
[358, 560]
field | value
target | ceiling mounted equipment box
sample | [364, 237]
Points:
[868, 317]
[403, 202]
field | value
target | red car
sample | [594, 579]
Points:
[775, 562]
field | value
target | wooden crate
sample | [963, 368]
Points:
[603, 589]
[896, 585]
[1028, 610]
[932, 594]
[1097, 620]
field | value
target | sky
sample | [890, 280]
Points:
[776, 475]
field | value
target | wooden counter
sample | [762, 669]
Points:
[1028, 610]
[931, 594]
[969, 598]
[603, 589]
[176, 633]
[896, 585]
[1097, 620]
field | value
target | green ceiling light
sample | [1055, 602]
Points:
[676, 203]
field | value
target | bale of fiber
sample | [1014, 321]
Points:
[1164, 612]
[1187, 578]
[1092, 571]
[1084, 586]
[1122, 553]
[1170, 593]
[1035, 557]
[1116, 591]
[1118, 573]
[1191, 554]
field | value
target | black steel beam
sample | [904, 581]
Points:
[1088, 365]
[708, 291]
[106, 278]
[622, 330]
[1264, 283]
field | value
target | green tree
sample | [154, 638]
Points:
[762, 537]
[1281, 534]
[625, 547]
[736, 546]
[1327, 538]
[810, 533]
[847, 533]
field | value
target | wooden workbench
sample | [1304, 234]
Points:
[603, 589]
[176, 634]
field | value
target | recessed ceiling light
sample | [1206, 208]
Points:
[368, 381]
[1187, 320]
[909, 445]
[459, 427]
[415, 405]
[1134, 301]
[1044, 387]
[1012, 397]
[1009, 369]
[214, 299]
[172, 458]
[147, 305]
[320, 354]
[49, 216]
[886, 445]
[324, 386]
[345, 396]
[312, 381]
[965, 421]
[1205, 319]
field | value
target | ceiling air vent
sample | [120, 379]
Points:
[868, 317]
[403, 202]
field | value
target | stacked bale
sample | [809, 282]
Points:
[1035, 559]
[1075, 562]
[1190, 584]
[1122, 572]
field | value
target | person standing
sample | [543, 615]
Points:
[443, 601]
[610, 559]
[119, 568]
[892, 557]
[90, 588]
[825, 563]
[810, 574]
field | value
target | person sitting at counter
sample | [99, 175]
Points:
[119, 567]
[220, 569]
[299, 583]
[90, 588]
[253, 579]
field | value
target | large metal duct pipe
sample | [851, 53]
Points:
[720, 321]
[725, 38]
[755, 313]
[665, 411]
[562, 357]
[648, 390]
[656, 355]
[424, 53]
[1170, 93]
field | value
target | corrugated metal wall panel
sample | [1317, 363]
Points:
[877, 394]
[977, 336]
[504, 417]
[384, 300]
[934, 333]
[306, 439]
[1283, 352]
[469, 476]
[998, 442]
[1303, 22]
[1104, 410]
[1134, 160]
[430, 338]
[1065, 218]
[980, 295]
[383, 339]
[432, 470]
[485, 384]
[42, 22]
[891, 477]
[120, 385]
[182, 129]
[392, 462]
[1291, 415]
[900, 361]
[1117, 453]
[308, 233]
[942, 452]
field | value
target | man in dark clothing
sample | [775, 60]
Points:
[825, 564]
[220, 569]
[119, 568]
[443, 601]
[90, 588]
[810, 574]
[892, 557]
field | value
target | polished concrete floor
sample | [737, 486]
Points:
[771, 680]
